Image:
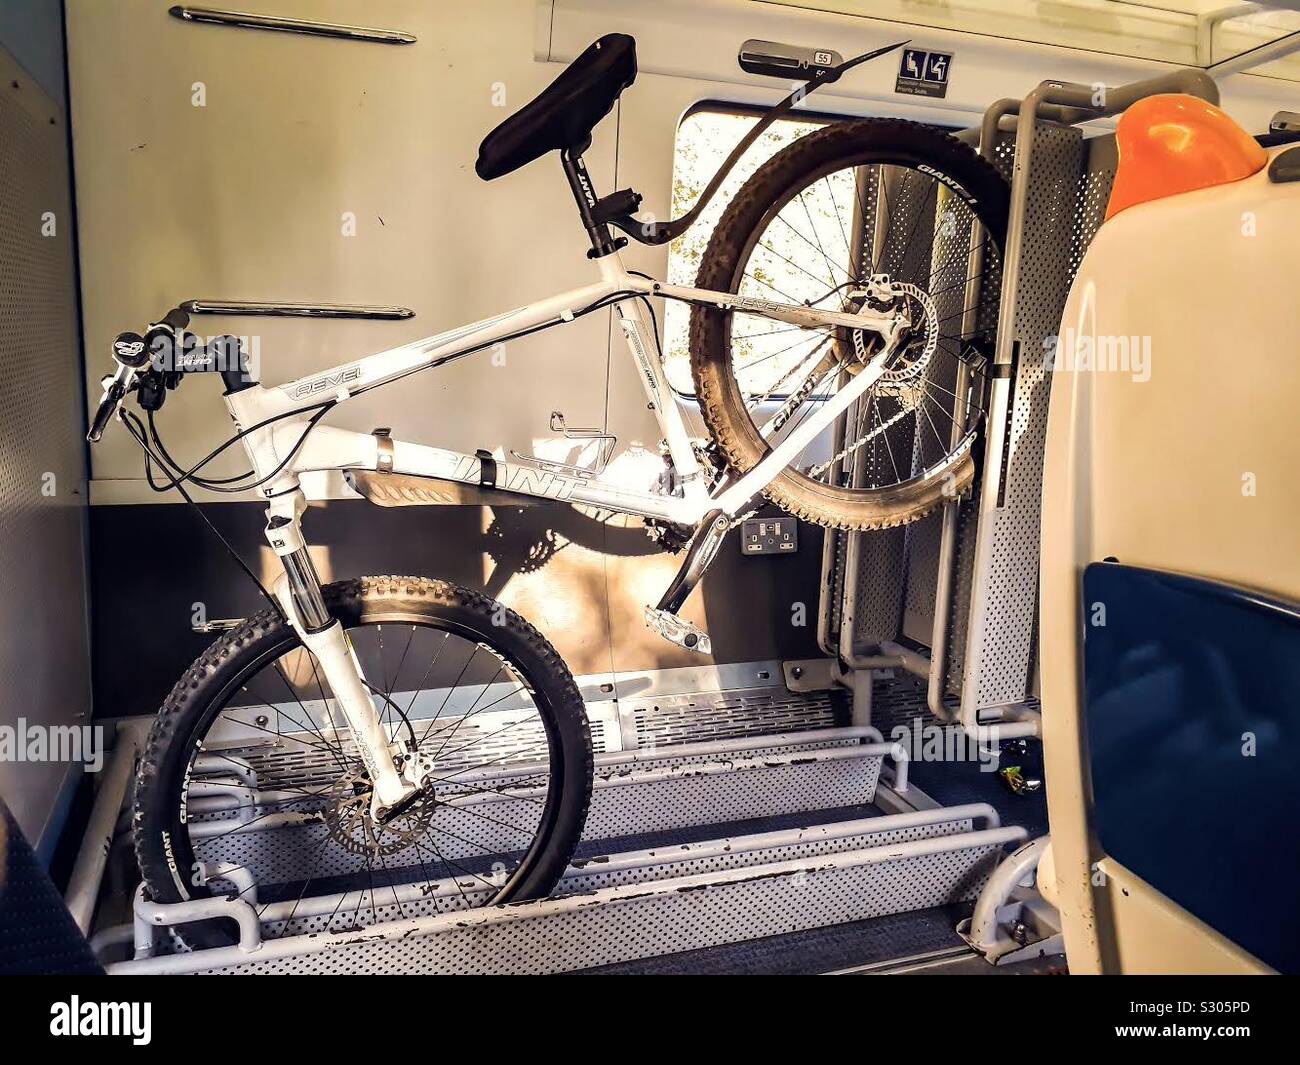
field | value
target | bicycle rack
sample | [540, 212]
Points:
[669, 863]
[634, 792]
[964, 581]
[613, 907]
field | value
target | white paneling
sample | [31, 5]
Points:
[700, 39]
[243, 198]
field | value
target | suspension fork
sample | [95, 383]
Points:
[299, 593]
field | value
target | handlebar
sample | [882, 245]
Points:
[175, 319]
[132, 352]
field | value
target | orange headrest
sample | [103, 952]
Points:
[1174, 143]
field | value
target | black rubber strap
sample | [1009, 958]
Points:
[487, 468]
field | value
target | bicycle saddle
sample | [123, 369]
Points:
[565, 112]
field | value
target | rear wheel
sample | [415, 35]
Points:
[814, 225]
[250, 764]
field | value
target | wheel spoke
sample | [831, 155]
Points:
[921, 244]
[313, 801]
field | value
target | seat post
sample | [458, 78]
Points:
[584, 193]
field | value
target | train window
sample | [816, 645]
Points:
[705, 138]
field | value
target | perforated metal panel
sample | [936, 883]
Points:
[959, 596]
[638, 920]
[388, 904]
[763, 902]
[889, 584]
[675, 719]
[44, 653]
[1065, 199]
[649, 795]
[874, 581]
[1002, 157]
[890, 576]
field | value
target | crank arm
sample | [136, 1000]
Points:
[701, 553]
[663, 618]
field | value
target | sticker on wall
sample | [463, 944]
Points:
[923, 73]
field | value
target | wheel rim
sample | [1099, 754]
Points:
[818, 243]
[303, 826]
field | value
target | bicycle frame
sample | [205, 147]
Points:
[282, 444]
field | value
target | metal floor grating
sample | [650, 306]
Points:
[812, 952]
[703, 716]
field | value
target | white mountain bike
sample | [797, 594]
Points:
[381, 733]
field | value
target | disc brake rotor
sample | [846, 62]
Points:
[903, 378]
[348, 818]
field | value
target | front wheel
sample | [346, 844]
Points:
[834, 220]
[250, 764]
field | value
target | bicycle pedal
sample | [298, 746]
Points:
[678, 630]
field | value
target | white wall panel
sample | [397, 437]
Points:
[243, 198]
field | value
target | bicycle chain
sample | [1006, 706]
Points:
[817, 471]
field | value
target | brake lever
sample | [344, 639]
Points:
[114, 392]
[662, 232]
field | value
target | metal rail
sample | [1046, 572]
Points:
[252, 308]
[246, 20]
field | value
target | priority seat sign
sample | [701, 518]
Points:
[923, 73]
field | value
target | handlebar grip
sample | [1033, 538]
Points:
[106, 407]
[176, 318]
